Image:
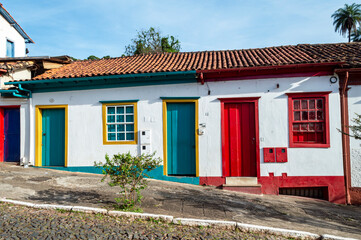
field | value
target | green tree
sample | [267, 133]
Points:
[346, 19]
[92, 57]
[356, 35]
[151, 41]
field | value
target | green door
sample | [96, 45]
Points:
[53, 137]
[181, 157]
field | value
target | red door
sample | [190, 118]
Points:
[239, 140]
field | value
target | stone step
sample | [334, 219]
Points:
[241, 181]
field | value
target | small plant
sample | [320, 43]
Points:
[128, 172]
[355, 129]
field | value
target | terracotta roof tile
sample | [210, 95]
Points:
[186, 61]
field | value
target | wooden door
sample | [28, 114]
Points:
[53, 137]
[12, 135]
[239, 142]
[181, 158]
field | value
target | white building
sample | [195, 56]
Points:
[257, 120]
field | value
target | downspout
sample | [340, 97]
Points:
[25, 90]
[345, 136]
[14, 92]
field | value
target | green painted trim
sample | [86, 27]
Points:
[139, 75]
[75, 87]
[155, 174]
[120, 101]
[180, 98]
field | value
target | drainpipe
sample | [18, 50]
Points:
[345, 136]
[25, 90]
[14, 92]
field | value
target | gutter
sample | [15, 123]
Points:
[105, 77]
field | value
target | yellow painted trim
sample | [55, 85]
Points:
[38, 132]
[164, 106]
[165, 101]
[104, 117]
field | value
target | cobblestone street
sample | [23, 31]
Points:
[17, 222]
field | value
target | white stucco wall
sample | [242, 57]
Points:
[10, 33]
[19, 74]
[354, 106]
[85, 122]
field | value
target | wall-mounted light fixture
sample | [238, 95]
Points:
[333, 79]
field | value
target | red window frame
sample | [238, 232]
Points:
[316, 128]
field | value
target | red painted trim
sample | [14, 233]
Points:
[307, 94]
[2, 135]
[324, 95]
[223, 125]
[271, 185]
[293, 66]
[286, 71]
[11, 106]
[239, 100]
[335, 185]
[212, 181]
[265, 76]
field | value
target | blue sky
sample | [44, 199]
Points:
[80, 28]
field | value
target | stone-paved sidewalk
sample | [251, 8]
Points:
[18, 222]
[183, 200]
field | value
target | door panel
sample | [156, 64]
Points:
[12, 135]
[181, 146]
[53, 137]
[239, 158]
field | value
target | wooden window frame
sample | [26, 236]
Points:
[105, 124]
[12, 43]
[325, 96]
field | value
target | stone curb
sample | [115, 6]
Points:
[186, 221]
[277, 231]
[332, 237]
[201, 222]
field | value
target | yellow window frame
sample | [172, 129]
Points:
[104, 113]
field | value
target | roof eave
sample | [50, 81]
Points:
[13, 23]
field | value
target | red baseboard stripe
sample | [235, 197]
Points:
[271, 185]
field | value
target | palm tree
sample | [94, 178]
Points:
[356, 35]
[346, 19]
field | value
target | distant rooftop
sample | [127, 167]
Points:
[13, 23]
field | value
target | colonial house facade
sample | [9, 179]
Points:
[264, 121]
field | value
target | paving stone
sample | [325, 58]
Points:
[31, 223]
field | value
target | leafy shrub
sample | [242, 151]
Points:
[128, 172]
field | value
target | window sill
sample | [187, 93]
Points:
[120, 143]
[309, 145]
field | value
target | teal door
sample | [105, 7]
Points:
[181, 157]
[53, 137]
